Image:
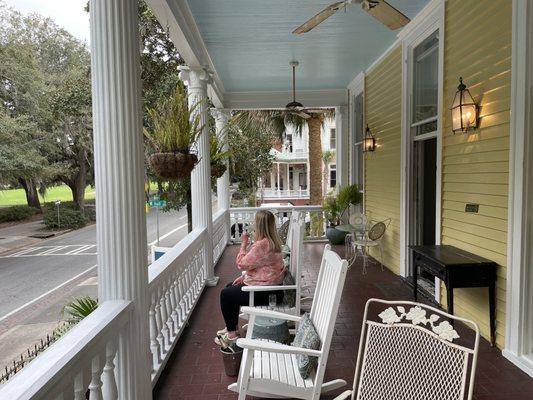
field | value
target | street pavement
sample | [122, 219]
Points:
[40, 276]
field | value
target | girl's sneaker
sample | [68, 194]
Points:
[226, 341]
[222, 332]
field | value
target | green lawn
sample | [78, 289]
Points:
[14, 197]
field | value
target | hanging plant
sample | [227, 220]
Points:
[172, 134]
[218, 157]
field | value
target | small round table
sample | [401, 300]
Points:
[350, 228]
[273, 329]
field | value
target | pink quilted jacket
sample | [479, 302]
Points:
[261, 266]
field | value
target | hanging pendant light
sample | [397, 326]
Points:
[464, 109]
[369, 142]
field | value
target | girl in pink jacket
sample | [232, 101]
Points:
[261, 264]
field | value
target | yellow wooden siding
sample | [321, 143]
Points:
[475, 167]
[382, 168]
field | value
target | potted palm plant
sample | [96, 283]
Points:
[335, 207]
[218, 157]
[173, 131]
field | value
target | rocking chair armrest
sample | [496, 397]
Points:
[258, 288]
[274, 347]
[260, 312]
[344, 395]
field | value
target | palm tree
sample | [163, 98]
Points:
[327, 157]
[276, 122]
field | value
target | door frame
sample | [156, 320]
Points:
[433, 20]
[356, 88]
[519, 310]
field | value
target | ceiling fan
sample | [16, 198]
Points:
[379, 9]
[296, 107]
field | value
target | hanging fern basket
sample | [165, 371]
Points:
[217, 170]
[174, 166]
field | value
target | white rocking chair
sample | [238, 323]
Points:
[297, 231]
[270, 369]
[407, 352]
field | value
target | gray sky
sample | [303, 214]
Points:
[68, 14]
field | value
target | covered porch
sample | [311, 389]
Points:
[196, 370]
[151, 335]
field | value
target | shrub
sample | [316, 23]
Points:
[90, 213]
[16, 213]
[69, 218]
[89, 210]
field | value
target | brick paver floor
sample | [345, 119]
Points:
[195, 370]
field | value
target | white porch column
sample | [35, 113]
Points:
[196, 80]
[119, 175]
[287, 176]
[342, 152]
[223, 195]
[272, 183]
[221, 121]
[279, 182]
[308, 179]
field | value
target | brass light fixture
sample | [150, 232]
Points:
[464, 109]
[369, 142]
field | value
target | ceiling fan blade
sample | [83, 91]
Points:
[385, 13]
[315, 110]
[302, 114]
[320, 17]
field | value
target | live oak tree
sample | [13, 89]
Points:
[73, 132]
[24, 112]
[45, 98]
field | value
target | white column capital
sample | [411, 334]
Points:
[342, 111]
[221, 114]
[195, 77]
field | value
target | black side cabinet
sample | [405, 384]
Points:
[457, 269]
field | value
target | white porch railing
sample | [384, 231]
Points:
[176, 281]
[81, 362]
[243, 217]
[269, 194]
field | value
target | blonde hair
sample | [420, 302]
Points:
[265, 228]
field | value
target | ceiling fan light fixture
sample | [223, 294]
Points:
[294, 105]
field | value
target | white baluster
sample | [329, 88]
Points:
[154, 343]
[168, 307]
[159, 321]
[80, 389]
[188, 285]
[173, 303]
[109, 382]
[182, 296]
[95, 387]
[164, 317]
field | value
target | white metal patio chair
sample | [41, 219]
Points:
[407, 352]
[270, 369]
[297, 232]
[358, 220]
[371, 239]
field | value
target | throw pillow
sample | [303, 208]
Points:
[306, 337]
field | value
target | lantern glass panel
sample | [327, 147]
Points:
[369, 144]
[464, 111]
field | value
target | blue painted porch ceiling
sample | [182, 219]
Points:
[251, 44]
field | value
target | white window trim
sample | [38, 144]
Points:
[518, 339]
[355, 88]
[433, 19]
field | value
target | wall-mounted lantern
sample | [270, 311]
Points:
[464, 109]
[369, 142]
